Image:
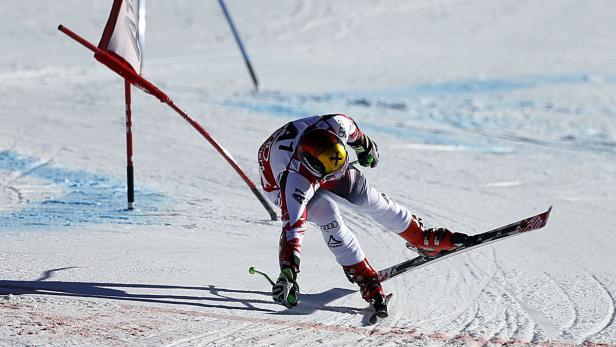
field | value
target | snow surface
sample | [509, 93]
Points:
[485, 112]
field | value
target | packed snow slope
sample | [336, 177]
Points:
[485, 112]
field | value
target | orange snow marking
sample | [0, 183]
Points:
[410, 333]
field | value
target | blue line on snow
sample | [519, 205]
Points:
[479, 86]
[87, 198]
[408, 134]
[403, 106]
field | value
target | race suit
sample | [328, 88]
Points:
[303, 197]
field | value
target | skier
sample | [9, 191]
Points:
[305, 171]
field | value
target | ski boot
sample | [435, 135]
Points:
[367, 279]
[286, 290]
[431, 242]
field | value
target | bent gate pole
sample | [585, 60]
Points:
[121, 68]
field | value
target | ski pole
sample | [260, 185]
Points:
[253, 271]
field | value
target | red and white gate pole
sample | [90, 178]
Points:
[130, 76]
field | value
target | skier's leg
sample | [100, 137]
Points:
[274, 197]
[355, 189]
[367, 279]
[286, 290]
[323, 211]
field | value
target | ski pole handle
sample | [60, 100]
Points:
[253, 271]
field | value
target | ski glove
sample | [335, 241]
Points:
[286, 290]
[367, 152]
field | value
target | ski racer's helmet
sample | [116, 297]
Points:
[323, 154]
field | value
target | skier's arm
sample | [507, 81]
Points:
[296, 191]
[345, 127]
[367, 152]
[366, 149]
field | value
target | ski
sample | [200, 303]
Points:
[473, 241]
[380, 311]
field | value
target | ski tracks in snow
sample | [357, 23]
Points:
[494, 312]
[537, 307]
[588, 300]
[76, 321]
[22, 187]
[608, 318]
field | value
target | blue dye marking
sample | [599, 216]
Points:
[433, 138]
[481, 86]
[86, 199]
[451, 104]
[274, 109]
[411, 135]
[464, 87]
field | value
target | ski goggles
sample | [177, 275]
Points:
[316, 168]
[337, 174]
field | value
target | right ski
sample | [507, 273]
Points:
[473, 241]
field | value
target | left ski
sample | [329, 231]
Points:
[474, 241]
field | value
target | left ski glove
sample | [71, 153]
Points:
[367, 152]
[286, 289]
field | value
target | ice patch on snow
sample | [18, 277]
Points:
[482, 115]
[408, 134]
[435, 148]
[478, 86]
[86, 198]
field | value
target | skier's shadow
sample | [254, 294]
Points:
[215, 297]
[310, 303]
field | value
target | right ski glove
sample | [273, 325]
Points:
[367, 152]
[286, 289]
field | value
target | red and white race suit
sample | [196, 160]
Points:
[303, 197]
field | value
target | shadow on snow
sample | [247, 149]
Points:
[216, 297]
